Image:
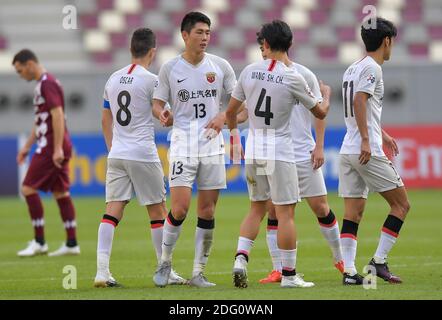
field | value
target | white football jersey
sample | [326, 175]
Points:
[128, 94]
[194, 92]
[301, 119]
[271, 89]
[363, 76]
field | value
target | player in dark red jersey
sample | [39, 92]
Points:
[48, 170]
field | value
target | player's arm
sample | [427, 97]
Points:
[318, 151]
[320, 110]
[59, 127]
[243, 114]
[360, 109]
[217, 123]
[107, 122]
[232, 123]
[161, 113]
[24, 151]
[389, 142]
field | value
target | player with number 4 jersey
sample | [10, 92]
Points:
[272, 89]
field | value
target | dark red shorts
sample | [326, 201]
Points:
[45, 176]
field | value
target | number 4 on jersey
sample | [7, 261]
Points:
[267, 113]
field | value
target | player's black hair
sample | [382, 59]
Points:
[24, 56]
[192, 18]
[373, 36]
[259, 38]
[277, 34]
[143, 39]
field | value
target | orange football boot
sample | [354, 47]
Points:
[273, 277]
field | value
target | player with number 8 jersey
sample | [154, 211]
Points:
[133, 163]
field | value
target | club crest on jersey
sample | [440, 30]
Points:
[211, 77]
[371, 78]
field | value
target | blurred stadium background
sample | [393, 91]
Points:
[326, 34]
[327, 40]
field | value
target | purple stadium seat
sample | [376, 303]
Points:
[418, 50]
[192, 4]
[328, 52]
[435, 32]
[214, 38]
[163, 38]
[319, 16]
[346, 33]
[412, 14]
[134, 20]
[301, 36]
[281, 3]
[275, 13]
[236, 4]
[226, 18]
[105, 4]
[119, 40]
[104, 57]
[250, 35]
[326, 4]
[89, 21]
[3, 43]
[238, 54]
[177, 17]
[149, 4]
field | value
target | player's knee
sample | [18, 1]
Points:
[27, 191]
[59, 195]
[405, 207]
[206, 211]
[180, 212]
[321, 209]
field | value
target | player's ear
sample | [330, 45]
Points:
[185, 35]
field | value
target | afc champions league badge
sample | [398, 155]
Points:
[211, 77]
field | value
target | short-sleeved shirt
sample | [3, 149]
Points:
[363, 76]
[271, 89]
[194, 93]
[48, 94]
[128, 94]
[302, 118]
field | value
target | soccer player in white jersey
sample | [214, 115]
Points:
[193, 84]
[309, 155]
[271, 89]
[363, 164]
[133, 162]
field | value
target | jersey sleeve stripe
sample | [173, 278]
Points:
[106, 104]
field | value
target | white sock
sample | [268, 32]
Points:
[244, 245]
[104, 247]
[156, 232]
[332, 235]
[171, 234]
[272, 244]
[386, 242]
[349, 246]
[203, 244]
[288, 258]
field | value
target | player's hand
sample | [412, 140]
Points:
[325, 89]
[21, 156]
[58, 157]
[166, 118]
[390, 144]
[214, 127]
[365, 155]
[317, 157]
[236, 151]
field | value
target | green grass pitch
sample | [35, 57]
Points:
[417, 256]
